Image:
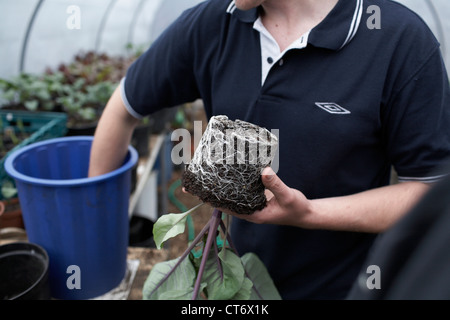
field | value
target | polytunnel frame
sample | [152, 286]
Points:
[134, 19]
[27, 34]
[103, 21]
[108, 10]
[100, 30]
[431, 7]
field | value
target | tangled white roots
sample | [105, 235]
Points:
[225, 170]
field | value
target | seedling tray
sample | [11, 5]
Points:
[38, 126]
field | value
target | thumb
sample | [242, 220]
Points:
[272, 182]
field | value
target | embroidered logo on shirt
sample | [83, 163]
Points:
[332, 107]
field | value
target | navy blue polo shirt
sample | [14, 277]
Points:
[349, 101]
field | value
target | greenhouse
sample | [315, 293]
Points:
[143, 200]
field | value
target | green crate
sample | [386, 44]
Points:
[40, 125]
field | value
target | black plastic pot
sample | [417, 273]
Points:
[24, 272]
[141, 232]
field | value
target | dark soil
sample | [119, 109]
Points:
[235, 186]
[236, 202]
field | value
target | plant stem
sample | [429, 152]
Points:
[224, 229]
[214, 224]
[184, 255]
[219, 266]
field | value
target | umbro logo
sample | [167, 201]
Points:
[332, 107]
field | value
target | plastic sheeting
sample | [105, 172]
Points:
[35, 34]
[435, 13]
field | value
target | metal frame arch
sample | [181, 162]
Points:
[101, 27]
[134, 18]
[27, 35]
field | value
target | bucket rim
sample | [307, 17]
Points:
[11, 170]
[31, 249]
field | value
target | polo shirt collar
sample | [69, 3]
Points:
[248, 16]
[339, 26]
[334, 32]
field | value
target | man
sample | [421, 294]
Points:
[349, 100]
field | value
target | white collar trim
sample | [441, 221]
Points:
[270, 49]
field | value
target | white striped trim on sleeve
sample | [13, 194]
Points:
[431, 179]
[125, 100]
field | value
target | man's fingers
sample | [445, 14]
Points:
[272, 182]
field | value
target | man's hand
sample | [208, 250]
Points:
[285, 205]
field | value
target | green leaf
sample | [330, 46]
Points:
[42, 93]
[176, 295]
[5, 84]
[170, 225]
[87, 113]
[79, 83]
[179, 285]
[10, 95]
[226, 286]
[31, 105]
[245, 291]
[56, 87]
[260, 277]
[8, 189]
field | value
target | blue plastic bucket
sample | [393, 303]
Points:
[81, 222]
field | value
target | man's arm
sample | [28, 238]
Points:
[112, 137]
[369, 211]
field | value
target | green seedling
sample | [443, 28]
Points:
[210, 268]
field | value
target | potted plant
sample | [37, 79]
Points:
[88, 82]
[211, 268]
[31, 92]
[80, 88]
[84, 105]
[81, 102]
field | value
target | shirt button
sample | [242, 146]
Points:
[270, 60]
